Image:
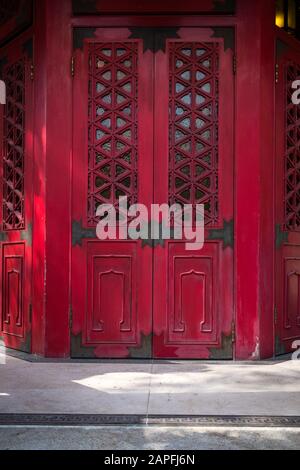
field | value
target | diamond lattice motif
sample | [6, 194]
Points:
[292, 157]
[112, 125]
[193, 166]
[14, 141]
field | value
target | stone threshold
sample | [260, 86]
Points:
[34, 358]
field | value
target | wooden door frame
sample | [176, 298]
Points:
[254, 227]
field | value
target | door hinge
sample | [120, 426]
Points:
[275, 314]
[73, 66]
[234, 64]
[276, 73]
[233, 333]
[30, 313]
[71, 318]
[32, 70]
[226, 234]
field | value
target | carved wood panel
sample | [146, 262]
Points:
[193, 126]
[112, 125]
[192, 313]
[14, 147]
[111, 295]
[13, 290]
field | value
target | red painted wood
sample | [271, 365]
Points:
[254, 219]
[153, 20]
[287, 198]
[58, 174]
[155, 6]
[173, 263]
[254, 228]
[39, 182]
[18, 16]
[267, 170]
[111, 325]
[52, 231]
[97, 267]
[16, 136]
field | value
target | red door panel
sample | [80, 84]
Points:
[13, 283]
[16, 194]
[193, 301]
[82, 7]
[113, 157]
[112, 317]
[287, 310]
[192, 283]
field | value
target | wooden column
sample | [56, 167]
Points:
[255, 179]
[52, 230]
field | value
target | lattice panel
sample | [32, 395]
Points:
[14, 143]
[292, 168]
[193, 166]
[112, 125]
[8, 9]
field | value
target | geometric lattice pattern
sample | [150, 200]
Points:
[8, 9]
[292, 157]
[193, 165]
[14, 143]
[112, 125]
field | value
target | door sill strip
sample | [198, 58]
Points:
[72, 420]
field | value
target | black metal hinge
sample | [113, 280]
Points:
[281, 236]
[71, 317]
[234, 64]
[30, 313]
[32, 70]
[78, 350]
[281, 49]
[275, 315]
[227, 33]
[224, 351]
[276, 73]
[226, 234]
[280, 348]
[79, 233]
[224, 6]
[145, 349]
[79, 36]
[26, 235]
[3, 236]
[233, 332]
[72, 66]
[154, 39]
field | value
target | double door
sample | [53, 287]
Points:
[153, 122]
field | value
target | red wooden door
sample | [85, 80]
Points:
[113, 157]
[153, 120]
[287, 308]
[16, 194]
[193, 290]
